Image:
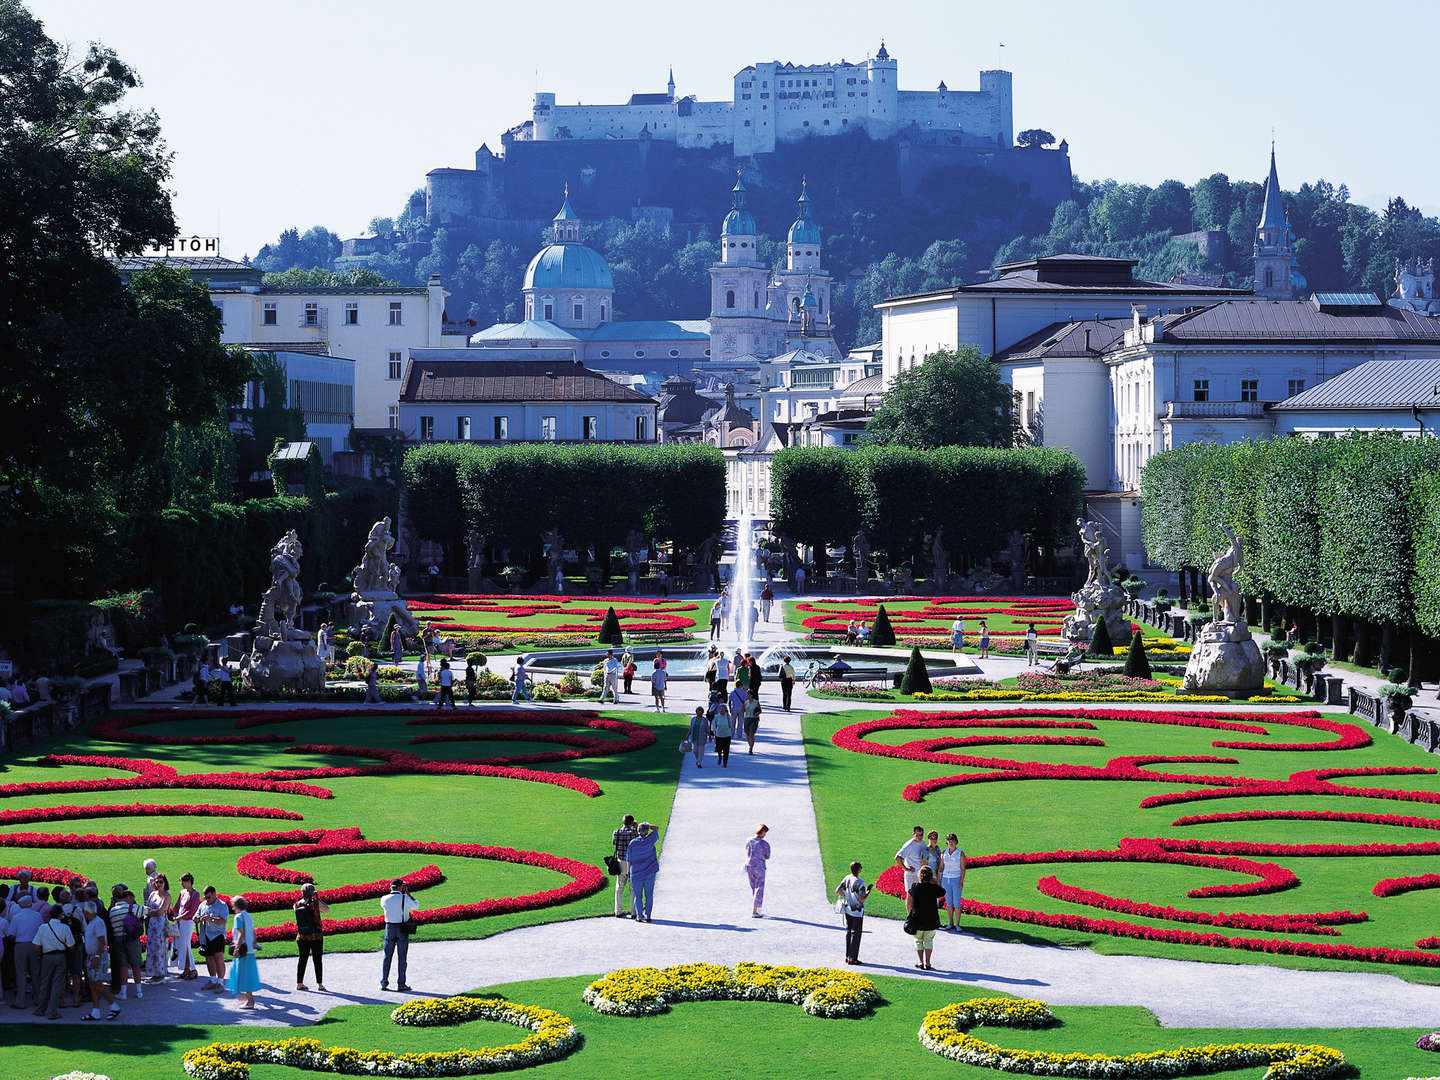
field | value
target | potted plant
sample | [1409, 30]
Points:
[1274, 652]
[1398, 697]
[513, 576]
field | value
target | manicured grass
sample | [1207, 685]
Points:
[439, 808]
[556, 614]
[719, 1040]
[1279, 694]
[861, 815]
[1003, 615]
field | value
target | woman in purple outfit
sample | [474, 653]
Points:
[757, 850]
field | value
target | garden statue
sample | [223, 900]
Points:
[1019, 547]
[474, 561]
[860, 548]
[637, 549]
[282, 657]
[376, 583]
[554, 555]
[1099, 599]
[1225, 658]
[939, 559]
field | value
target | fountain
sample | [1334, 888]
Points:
[743, 594]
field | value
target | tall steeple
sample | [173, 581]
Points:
[670, 86]
[566, 222]
[1274, 242]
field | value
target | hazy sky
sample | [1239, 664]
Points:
[320, 112]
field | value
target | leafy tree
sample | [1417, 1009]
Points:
[1211, 199]
[361, 277]
[916, 679]
[816, 496]
[955, 398]
[1034, 137]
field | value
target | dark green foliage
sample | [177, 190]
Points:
[916, 679]
[1425, 575]
[307, 473]
[1100, 643]
[1396, 675]
[882, 635]
[355, 648]
[610, 629]
[476, 658]
[816, 495]
[135, 616]
[390, 625]
[1137, 664]
[55, 633]
[955, 398]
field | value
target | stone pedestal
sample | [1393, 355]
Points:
[292, 664]
[1225, 660]
[1096, 603]
[375, 609]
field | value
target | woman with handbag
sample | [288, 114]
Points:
[244, 977]
[695, 740]
[310, 934]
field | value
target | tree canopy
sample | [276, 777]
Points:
[955, 398]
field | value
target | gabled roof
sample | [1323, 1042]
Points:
[515, 381]
[1081, 338]
[1376, 384]
[1280, 321]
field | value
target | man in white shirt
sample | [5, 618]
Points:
[227, 686]
[1032, 643]
[398, 905]
[910, 858]
[447, 686]
[611, 670]
[24, 922]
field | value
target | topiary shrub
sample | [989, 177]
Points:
[882, 634]
[1137, 664]
[916, 679]
[1100, 643]
[1396, 675]
[610, 629]
[355, 648]
[390, 624]
[475, 658]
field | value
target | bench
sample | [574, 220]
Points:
[825, 677]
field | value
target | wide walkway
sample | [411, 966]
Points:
[702, 912]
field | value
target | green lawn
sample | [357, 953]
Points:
[1280, 694]
[488, 616]
[445, 808]
[1003, 615]
[733, 1040]
[861, 815]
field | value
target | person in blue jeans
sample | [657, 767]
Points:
[398, 906]
[640, 854]
[522, 682]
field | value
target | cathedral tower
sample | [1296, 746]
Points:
[738, 294]
[1274, 242]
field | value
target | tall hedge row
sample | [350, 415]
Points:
[978, 495]
[596, 493]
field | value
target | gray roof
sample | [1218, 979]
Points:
[201, 263]
[511, 381]
[1376, 384]
[1279, 321]
[871, 385]
[1083, 337]
[344, 290]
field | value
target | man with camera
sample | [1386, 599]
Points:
[399, 908]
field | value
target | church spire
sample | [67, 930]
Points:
[1273, 214]
[1274, 242]
[670, 86]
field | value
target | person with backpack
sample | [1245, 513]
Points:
[210, 928]
[126, 928]
[70, 915]
[310, 934]
[852, 892]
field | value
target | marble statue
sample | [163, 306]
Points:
[1019, 548]
[939, 558]
[282, 656]
[1099, 599]
[376, 595]
[1225, 658]
[860, 548]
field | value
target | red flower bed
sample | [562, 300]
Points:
[1047, 613]
[1428, 943]
[637, 737]
[1394, 886]
[69, 813]
[1311, 815]
[634, 613]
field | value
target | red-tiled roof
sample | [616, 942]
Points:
[511, 380]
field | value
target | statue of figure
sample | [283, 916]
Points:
[1228, 561]
[860, 548]
[705, 556]
[1096, 552]
[282, 600]
[1019, 548]
[373, 573]
[939, 557]
[474, 550]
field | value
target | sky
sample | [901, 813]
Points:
[320, 112]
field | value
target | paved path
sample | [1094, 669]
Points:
[703, 913]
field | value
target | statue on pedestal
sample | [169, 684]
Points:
[939, 559]
[376, 583]
[1019, 547]
[860, 548]
[283, 656]
[1225, 659]
[1099, 599]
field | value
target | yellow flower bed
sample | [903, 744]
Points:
[1085, 697]
[551, 1037]
[825, 992]
[945, 1032]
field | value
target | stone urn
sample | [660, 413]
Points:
[1224, 660]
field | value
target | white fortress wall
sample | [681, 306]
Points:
[710, 123]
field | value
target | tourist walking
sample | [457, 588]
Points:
[620, 840]
[658, 678]
[186, 906]
[752, 718]
[742, 671]
[957, 634]
[310, 934]
[757, 851]
[699, 732]
[767, 598]
[227, 683]
[644, 865]
[199, 690]
[925, 897]
[53, 942]
[722, 674]
[723, 729]
[420, 687]
[372, 685]
[157, 912]
[244, 976]
[447, 685]
[910, 858]
[472, 678]
[559, 581]
[984, 640]
[800, 579]
[787, 682]
[757, 676]
[397, 645]
[715, 616]
[97, 947]
[1032, 644]
[127, 923]
[522, 682]
[852, 892]
[627, 671]
[952, 878]
[610, 670]
[210, 928]
[398, 907]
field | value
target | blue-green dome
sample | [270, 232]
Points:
[738, 222]
[568, 266]
[804, 231]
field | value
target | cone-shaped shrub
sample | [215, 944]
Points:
[389, 629]
[1137, 664]
[882, 635]
[917, 678]
[610, 629]
[1100, 643]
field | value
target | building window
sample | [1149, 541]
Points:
[549, 311]
[530, 309]
[757, 299]
[352, 314]
[502, 428]
[795, 304]
[641, 430]
[639, 354]
[396, 310]
[579, 312]
[602, 312]
[427, 428]
[1202, 390]
[1249, 389]
[547, 428]
[1295, 386]
[1030, 409]
[268, 315]
[674, 352]
[312, 314]
[729, 298]
[591, 426]
[396, 365]
[462, 428]
[1269, 277]
[393, 414]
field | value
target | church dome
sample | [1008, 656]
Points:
[738, 222]
[804, 230]
[568, 266]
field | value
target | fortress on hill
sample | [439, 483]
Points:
[624, 158]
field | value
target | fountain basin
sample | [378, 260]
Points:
[688, 664]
